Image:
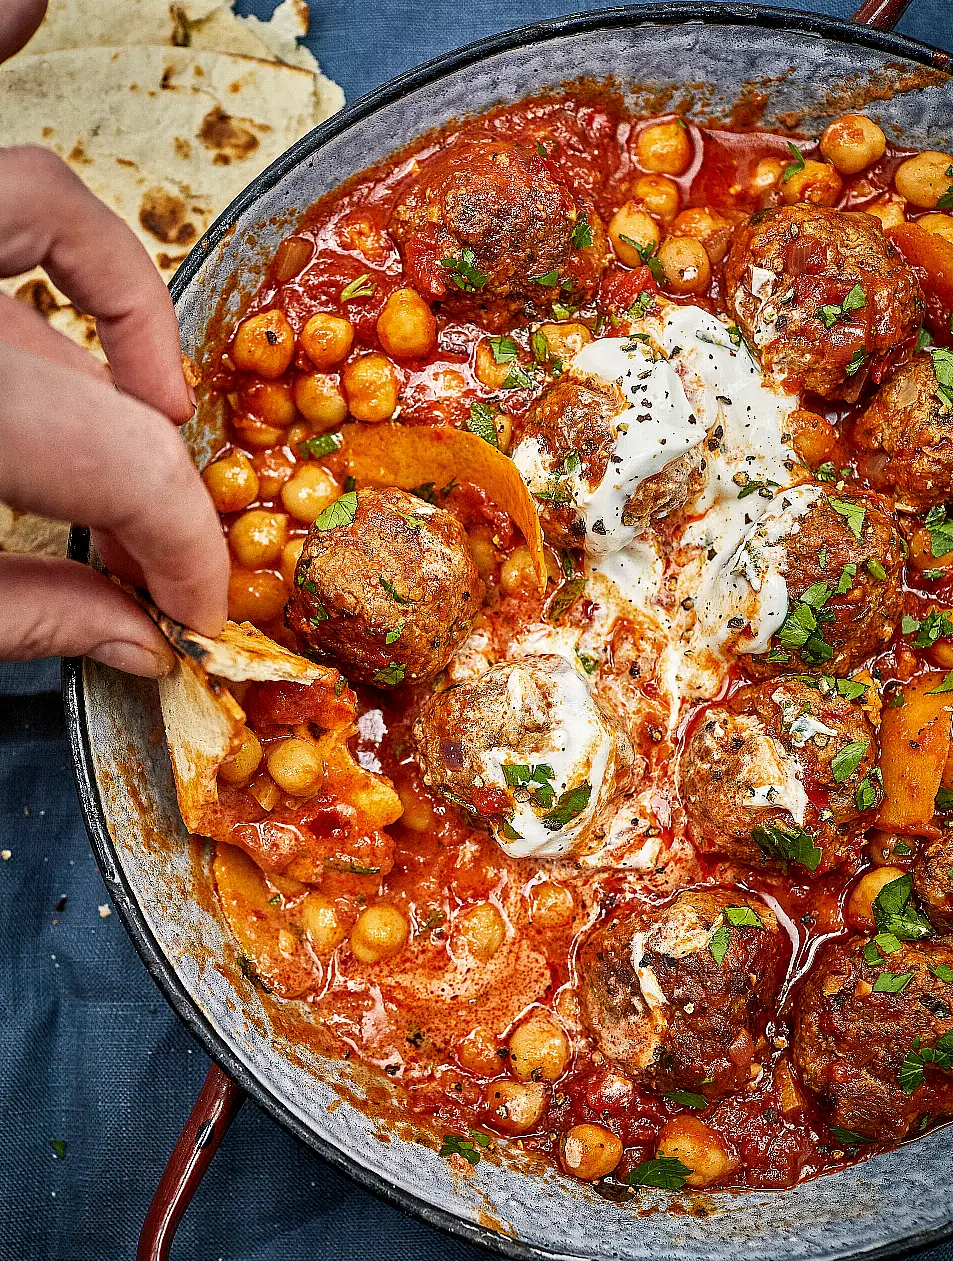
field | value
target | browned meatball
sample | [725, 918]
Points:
[570, 446]
[485, 224]
[879, 1058]
[822, 297]
[389, 592]
[781, 772]
[526, 750]
[677, 995]
[840, 558]
[908, 430]
[933, 881]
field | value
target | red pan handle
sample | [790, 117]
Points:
[214, 1111]
[883, 14]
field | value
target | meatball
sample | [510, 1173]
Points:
[933, 881]
[526, 750]
[908, 430]
[677, 995]
[612, 447]
[878, 1056]
[776, 773]
[815, 584]
[389, 593]
[485, 224]
[822, 297]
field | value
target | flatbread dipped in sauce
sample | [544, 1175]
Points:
[259, 744]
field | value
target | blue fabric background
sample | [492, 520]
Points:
[89, 1052]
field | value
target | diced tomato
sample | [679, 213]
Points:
[932, 258]
[287, 704]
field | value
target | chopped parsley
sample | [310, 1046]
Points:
[892, 982]
[687, 1098]
[480, 421]
[826, 472]
[341, 512]
[558, 489]
[856, 363]
[665, 1172]
[589, 664]
[582, 234]
[463, 271]
[846, 579]
[802, 628]
[518, 379]
[853, 514]
[549, 279]
[468, 1148]
[850, 1138]
[944, 799]
[641, 306]
[796, 165]
[940, 528]
[395, 634]
[570, 805]
[394, 593]
[945, 686]
[846, 760]
[945, 200]
[934, 626]
[870, 790]
[754, 486]
[895, 914]
[360, 287]
[854, 301]
[911, 1072]
[561, 311]
[787, 843]
[943, 972]
[943, 371]
[742, 917]
[503, 349]
[323, 444]
[391, 674]
[534, 780]
[543, 355]
[59, 1148]
[647, 254]
[876, 570]
[563, 598]
[719, 942]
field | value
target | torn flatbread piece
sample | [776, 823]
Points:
[259, 743]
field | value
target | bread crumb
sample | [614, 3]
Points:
[6, 854]
[105, 912]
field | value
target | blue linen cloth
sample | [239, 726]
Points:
[96, 1074]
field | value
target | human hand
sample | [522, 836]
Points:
[80, 445]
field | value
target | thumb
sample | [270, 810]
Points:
[51, 608]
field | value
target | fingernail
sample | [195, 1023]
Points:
[132, 658]
[193, 397]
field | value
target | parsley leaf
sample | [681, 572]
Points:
[391, 674]
[870, 790]
[687, 1098]
[742, 917]
[856, 363]
[341, 512]
[641, 306]
[535, 780]
[394, 593]
[934, 626]
[665, 1172]
[518, 379]
[464, 272]
[940, 528]
[480, 422]
[323, 444]
[853, 302]
[945, 686]
[853, 514]
[570, 805]
[796, 165]
[582, 233]
[945, 200]
[895, 914]
[846, 760]
[719, 942]
[826, 472]
[455, 1145]
[943, 972]
[503, 349]
[850, 1138]
[876, 570]
[943, 371]
[892, 982]
[549, 279]
[787, 843]
[395, 634]
[360, 287]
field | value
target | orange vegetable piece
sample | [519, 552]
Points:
[933, 254]
[408, 456]
[914, 749]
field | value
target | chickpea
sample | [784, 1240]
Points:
[924, 178]
[271, 402]
[253, 432]
[264, 344]
[658, 194]
[816, 182]
[939, 225]
[890, 210]
[380, 933]
[589, 1152]
[327, 340]
[853, 142]
[241, 766]
[565, 340]
[406, 325]
[551, 905]
[633, 232]
[257, 537]
[296, 767]
[418, 813]
[482, 930]
[320, 401]
[518, 574]
[485, 554]
[372, 387]
[941, 653]
[767, 175]
[273, 468]
[860, 905]
[309, 492]
[320, 920]
[665, 147]
[698, 1147]
[299, 432]
[516, 1106]
[707, 226]
[479, 1053]
[488, 371]
[539, 1049]
[257, 598]
[686, 264]
[231, 481]
[289, 559]
[503, 424]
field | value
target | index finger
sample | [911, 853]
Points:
[50, 219]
